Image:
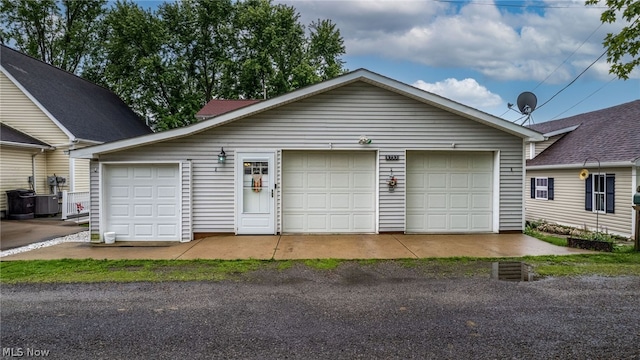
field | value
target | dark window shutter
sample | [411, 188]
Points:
[588, 193]
[533, 188]
[550, 188]
[611, 193]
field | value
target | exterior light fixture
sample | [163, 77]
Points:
[364, 140]
[222, 157]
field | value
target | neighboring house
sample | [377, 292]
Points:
[321, 159]
[45, 112]
[605, 142]
[217, 107]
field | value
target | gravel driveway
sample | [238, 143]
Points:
[381, 311]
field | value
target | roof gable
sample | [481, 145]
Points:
[9, 135]
[83, 110]
[610, 135]
[309, 91]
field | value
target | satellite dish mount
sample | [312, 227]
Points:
[527, 102]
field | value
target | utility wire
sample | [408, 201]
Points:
[574, 80]
[568, 57]
[588, 96]
[520, 4]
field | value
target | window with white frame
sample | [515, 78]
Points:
[599, 192]
[542, 188]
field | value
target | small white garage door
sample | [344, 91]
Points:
[449, 192]
[142, 201]
[328, 192]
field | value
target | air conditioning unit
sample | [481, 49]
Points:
[47, 205]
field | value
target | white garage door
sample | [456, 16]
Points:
[449, 192]
[142, 202]
[329, 192]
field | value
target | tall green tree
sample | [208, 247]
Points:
[167, 62]
[622, 47]
[58, 32]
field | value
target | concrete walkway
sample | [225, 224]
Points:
[286, 247]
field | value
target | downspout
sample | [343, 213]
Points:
[33, 170]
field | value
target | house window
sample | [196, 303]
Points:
[600, 193]
[542, 191]
[542, 188]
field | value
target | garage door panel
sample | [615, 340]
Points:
[339, 201]
[142, 210]
[337, 185]
[457, 189]
[435, 181]
[481, 181]
[434, 201]
[142, 173]
[340, 180]
[459, 181]
[459, 222]
[142, 192]
[119, 210]
[142, 202]
[459, 201]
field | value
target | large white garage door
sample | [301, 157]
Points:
[141, 202]
[329, 192]
[449, 192]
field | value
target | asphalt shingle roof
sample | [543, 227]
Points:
[10, 134]
[610, 135]
[217, 107]
[88, 111]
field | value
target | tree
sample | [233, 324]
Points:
[60, 33]
[325, 47]
[623, 47]
[169, 61]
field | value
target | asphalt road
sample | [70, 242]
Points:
[355, 312]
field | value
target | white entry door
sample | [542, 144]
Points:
[255, 193]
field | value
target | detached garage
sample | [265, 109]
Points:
[360, 153]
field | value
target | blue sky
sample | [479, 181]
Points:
[483, 53]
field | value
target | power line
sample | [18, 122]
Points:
[585, 98]
[520, 4]
[568, 57]
[574, 80]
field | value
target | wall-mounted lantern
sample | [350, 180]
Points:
[222, 157]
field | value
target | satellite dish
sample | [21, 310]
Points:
[527, 102]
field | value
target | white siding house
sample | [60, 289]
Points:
[317, 160]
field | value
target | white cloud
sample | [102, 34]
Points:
[467, 92]
[499, 42]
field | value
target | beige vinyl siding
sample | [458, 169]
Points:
[543, 145]
[19, 112]
[336, 120]
[80, 178]
[58, 164]
[16, 169]
[567, 208]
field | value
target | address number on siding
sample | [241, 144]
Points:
[392, 157]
